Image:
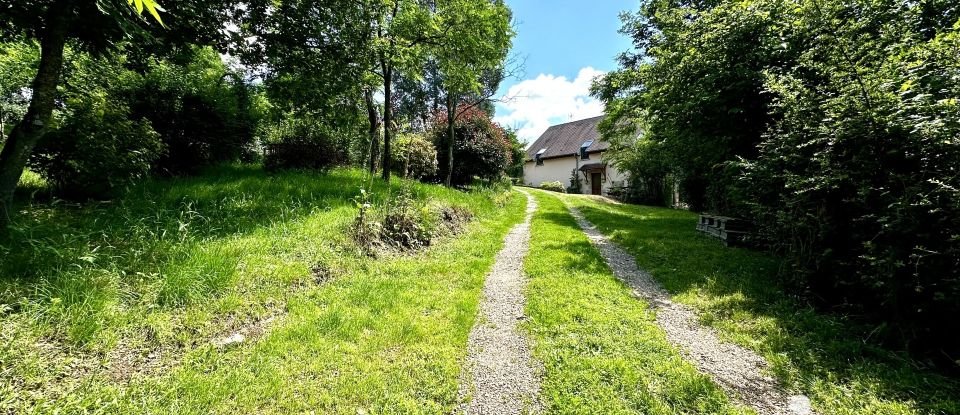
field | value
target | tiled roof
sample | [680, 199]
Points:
[565, 139]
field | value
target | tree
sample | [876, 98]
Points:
[95, 26]
[401, 30]
[832, 125]
[697, 82]
[470, 58]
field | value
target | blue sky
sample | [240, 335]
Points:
[565, 43]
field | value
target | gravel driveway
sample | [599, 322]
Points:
[501, 376]
[739, 371]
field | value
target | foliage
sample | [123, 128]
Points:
[518, 155]
[857, 182]
[97, 150]
[553, 187]
[303, 143]
[94, 26]
[414, 156]
[470, 63]
[402, 222]
[477, 38]
[406, 225]
[576, 183]
[202, 110]
[18, 61]
[696, 82]
[648, 165]
[481, 148]
[832, 124]
[313, 55]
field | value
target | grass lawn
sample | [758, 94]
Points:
[601, 348]
[734, 291]
[117, 307]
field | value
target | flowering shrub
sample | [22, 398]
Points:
[481, 147]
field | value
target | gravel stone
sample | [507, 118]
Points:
[739, 371]
[501, 375]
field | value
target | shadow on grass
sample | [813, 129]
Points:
[737, 291]
[226, 200]
[168, 242]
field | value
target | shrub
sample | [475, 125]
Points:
[481, 147]
[302, 143]
[96, 150]
[576, 184]
[366, 228]
[553, 187]
[865, 205]
[414, 156]
[201, 109]
[405, 224]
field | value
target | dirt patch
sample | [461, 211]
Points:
[454, 219]
[136, 358]
[404, 228]
[321, 273]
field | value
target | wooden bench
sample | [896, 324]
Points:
[730, 231]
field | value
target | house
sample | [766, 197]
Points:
[573, 146]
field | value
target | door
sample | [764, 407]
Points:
[595, 183]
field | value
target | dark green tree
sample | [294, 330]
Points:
[95, 26]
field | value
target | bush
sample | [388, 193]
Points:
[201, 109]
[833, 125]
[865, 205]
[402, 223]
[414, 156]
[301, 143]
[406, 225]
[576, 184]
[96, 150]
[481, 149]
[553, 187]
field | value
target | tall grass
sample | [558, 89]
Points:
[103, 304]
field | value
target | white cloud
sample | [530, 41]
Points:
[547, 100]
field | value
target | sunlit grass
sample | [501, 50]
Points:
[601, 348]
[115, 306]
[735, 291]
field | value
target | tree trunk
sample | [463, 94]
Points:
[34, 124]
[374, 118]
[387, 117]
[451, 119]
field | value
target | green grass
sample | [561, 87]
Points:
[601, 348]
[113, 307]
[735, 291]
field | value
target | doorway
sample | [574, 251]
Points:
[595, 187]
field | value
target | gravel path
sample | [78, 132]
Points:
[501, 376]
[737, 370]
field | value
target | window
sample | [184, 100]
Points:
[584, 155]
[539, 156]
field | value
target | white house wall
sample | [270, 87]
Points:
[558, 169]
